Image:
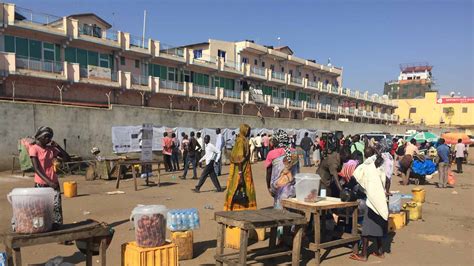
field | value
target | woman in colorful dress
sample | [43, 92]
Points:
[281, 165]
[240, 175]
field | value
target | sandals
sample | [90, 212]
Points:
[357, 257]
[381, 256]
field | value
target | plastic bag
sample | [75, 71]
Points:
[451, 179]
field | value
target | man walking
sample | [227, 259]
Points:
[460, 149]
[193, 146]
[219, 147]
[200, 151]
[209, 157]
[306, 144]
[443, 166]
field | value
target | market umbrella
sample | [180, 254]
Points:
[452, 138]
[424, 136]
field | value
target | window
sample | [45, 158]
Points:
[137, 63]
[227, 84]
[267, 90]
[48, 51]
[307, 76]
[272, 67]
[282, 69]
[81, 57]
[197, 53]
[291, 72]
[464, 109]
[263, 64]
[186, 76]
[92, 58]
[410, 78]
[35, 49]
[9, 44]
[255, 62]
[201, 79]
[221, 54]
[122, 60]
[172, 74]
[245, 60]
[21, 47]
[104, 60]
[445, 110]
[299, 74]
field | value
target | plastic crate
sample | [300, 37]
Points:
[133, 255]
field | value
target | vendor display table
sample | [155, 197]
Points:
[87, 230]
[134, 173]
[254, 219]
[315, 209]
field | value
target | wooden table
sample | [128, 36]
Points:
[254, 219]
[86, 230]
[134, 173]
[315, 210]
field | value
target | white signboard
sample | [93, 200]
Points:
[147, 142]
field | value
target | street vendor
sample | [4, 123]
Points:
[42, 154]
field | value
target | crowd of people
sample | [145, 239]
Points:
[351, 168]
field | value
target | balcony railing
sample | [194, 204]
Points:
[296, 103]
[258, 71]
[352, 94]
[29, 16]
[232, 64]
[351, 110]
[171, 85]
[139, 42]
[198, 89]
[40, 65]
[279, 101]
[232, 94]
[140, 80]
[334, 89]
[296, 80]
[324, 87]
[97, 32]
[83, 72]
[312, 105]
[344, 91]
[334, 109]
[312, 84]
[171, 50]
[278, 75]
[208, 59]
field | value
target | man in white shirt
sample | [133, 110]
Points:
[258, 146]
[209, 157]
[219, 148]
[460, 149]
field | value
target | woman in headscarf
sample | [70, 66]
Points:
[240, 180]
[281, 165]
[371, 177]
[42, 155]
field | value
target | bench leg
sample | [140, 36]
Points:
[89, 252]
[296, 254]
[273, 237]
[220, 242]
[355, 248]
[244, 237]
[17, 252]
[103, 252]
[134, 173]
[118, 176]
[9, 253]
[317, 237]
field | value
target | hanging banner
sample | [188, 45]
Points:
[456, 100]
[147, 142]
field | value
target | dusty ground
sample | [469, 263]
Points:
[444, 236]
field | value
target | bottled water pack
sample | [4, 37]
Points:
[182, 219]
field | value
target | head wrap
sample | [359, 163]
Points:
[95, 150]
[44, 132]
[283, 141]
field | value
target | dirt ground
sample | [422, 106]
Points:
[444, 236]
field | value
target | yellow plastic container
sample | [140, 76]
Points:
[232, 236]
[419, 194]
[396, 221]
[133, 255]
[70, 189]
[414, 209]
[184, 241]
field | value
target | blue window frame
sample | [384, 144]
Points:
[197, 53]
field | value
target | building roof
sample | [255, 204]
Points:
[195, 44]
[81, 15]
[284, 49]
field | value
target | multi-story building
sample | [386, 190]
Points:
[413, 82]
[437, 110]
[79, 59]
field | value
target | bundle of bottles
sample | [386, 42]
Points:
[182, 219]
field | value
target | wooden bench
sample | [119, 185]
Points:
[255, 219]
[86, 230]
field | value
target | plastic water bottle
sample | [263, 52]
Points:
[191, 220]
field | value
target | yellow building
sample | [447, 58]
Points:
[434, 110]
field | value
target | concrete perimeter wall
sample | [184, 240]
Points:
[84, 128]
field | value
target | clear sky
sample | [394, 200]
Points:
[369, 38]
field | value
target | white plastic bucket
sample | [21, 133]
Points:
[32, 209]
[150, 225]
[307, 186]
